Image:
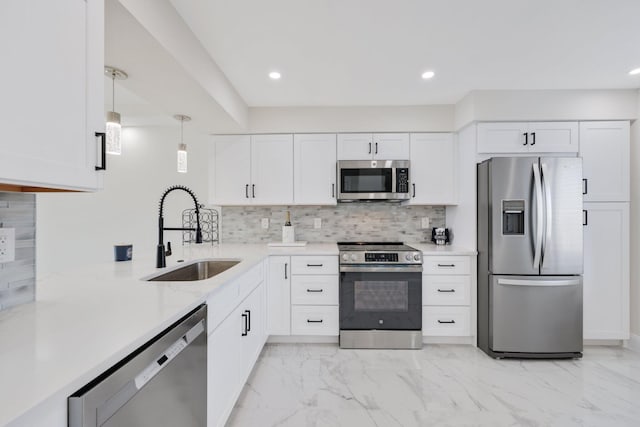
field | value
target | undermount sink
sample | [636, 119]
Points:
[196, 271]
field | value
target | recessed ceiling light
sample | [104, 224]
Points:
[428, 74]
[634, 72]
[274, 75]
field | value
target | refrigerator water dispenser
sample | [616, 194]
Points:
[513, 217]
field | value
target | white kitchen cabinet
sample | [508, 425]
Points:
[378, 146]
[253, 335]
[527, 137]
[256, 169]
[433, 169]
[605, 152]
[314, 169]
[52, 90]
[606, 271]
[279, 296]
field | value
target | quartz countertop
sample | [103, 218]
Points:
[86, 320]
[433, 249]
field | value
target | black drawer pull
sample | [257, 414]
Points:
[446, 265]
[446, 321]
[248, 319]
[446, 290]
[103, 151]
[585, 186]
[246, 324]
[585, 217]
[314, 290]
[314, 265]
[314, 321]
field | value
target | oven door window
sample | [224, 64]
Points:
[381, 296]
[366, 180]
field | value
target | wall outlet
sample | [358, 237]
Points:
[7, 244]
[265, 223]
[425, 222]
[317, 222]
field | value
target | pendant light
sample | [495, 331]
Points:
[113, 127]
[182, 147]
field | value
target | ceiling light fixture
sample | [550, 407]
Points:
[182, 147]
[274, 75]
[113, 126]
[634, 72]
[428, 74]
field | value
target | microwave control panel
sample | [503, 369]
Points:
[402, 180]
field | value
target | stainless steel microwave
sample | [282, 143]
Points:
[373, 180]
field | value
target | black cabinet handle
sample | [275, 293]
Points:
[314, 321]
[585, 185]
[376, 148]
[446, 265]
[244, 332]
[585, 217]
[533, 135]
[333, 191]
[414, 190]
[285, 270]
[246, 191]
[446, 290]
[253, 191]
[446, 321]
[314, 290]
[103, 151]
[526, 138]
[369, 148]
[315, 265]
[248, 320]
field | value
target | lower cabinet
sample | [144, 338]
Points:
[279, 296]
[606, 271]
[233, 348]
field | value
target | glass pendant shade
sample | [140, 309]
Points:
[182, 158]
[114, 133]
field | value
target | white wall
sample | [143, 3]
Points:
[81, 228]
[635, 223]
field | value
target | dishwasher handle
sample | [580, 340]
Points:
[129, 389]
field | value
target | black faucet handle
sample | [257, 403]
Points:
[168, 252]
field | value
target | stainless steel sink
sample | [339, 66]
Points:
[196, 271]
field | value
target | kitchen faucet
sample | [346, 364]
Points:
[161, 260]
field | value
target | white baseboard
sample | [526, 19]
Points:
[448, 340]
[310, 339]
[633, 343]
[611, 343]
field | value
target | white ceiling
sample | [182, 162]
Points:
[372, 52]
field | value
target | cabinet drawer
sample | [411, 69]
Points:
[314, 290]
[249, 280]
[314, 264]
[446, 290]
[446, 321]
[314, 320]
[447, 265]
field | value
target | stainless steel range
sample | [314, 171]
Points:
[380, 295]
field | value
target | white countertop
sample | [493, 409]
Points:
[433, 249]
[84, 321]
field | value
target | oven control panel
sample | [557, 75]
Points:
[363, 257]
[380, 257]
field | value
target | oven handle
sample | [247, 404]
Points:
[381, 269]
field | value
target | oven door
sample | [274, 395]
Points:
[384, 298]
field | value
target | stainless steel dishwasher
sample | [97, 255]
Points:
[163, 383]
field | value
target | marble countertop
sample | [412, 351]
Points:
[433, 249]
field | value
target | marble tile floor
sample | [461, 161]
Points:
[301, 385]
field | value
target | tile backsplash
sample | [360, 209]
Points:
[344, 222]
[18, 278]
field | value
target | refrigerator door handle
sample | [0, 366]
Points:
[548, 220]
[539, 216]
[519, 282]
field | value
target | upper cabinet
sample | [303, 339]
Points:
[256, 169]
[605, 152]
[533, 137]
[52, 88]
[377, 146]
[433, 169]
[314, 167]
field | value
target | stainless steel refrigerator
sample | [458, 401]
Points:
[529, 215]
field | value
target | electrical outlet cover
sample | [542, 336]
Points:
[265, 223]
[425, 222]
[317, 223]
[7, 244]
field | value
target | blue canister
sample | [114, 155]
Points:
[123, 252]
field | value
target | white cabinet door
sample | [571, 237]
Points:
[502, 138]
[272, 169]
[433, 169]
[223, 369]
[52, 88]
[391, 146]
[604, 148]
[355, 146]
[553, 137]
[253, 332]
[279, 296]
[606, 271]
[314, 164]
[231, 175]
